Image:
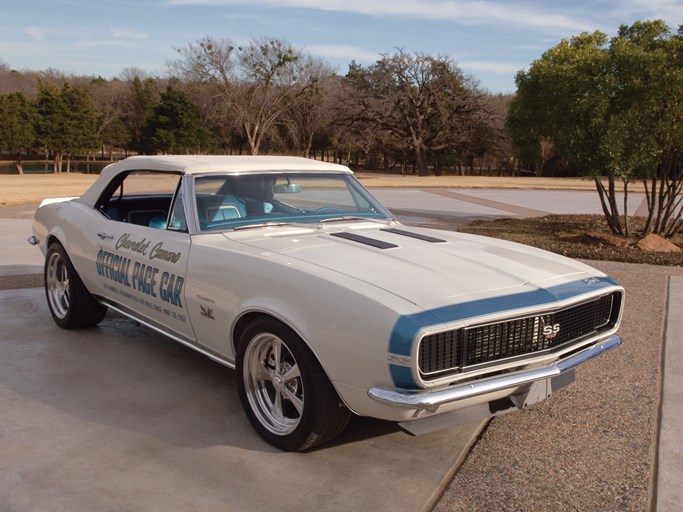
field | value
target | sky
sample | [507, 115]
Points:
[489, 39]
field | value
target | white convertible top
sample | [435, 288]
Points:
[202, 164]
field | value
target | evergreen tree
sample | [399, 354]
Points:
[17, 125]
[174, 126]
[67, 121]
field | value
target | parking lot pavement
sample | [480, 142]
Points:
[552, 201]
[16, 255]
[464, 205]
[119, 418]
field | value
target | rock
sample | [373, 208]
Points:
[655, 243]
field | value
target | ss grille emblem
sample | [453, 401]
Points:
[550, 331]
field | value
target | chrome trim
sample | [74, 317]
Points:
[419, 400]
[180, 340]
[449, 372]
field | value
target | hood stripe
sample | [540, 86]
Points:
[380, 244]
[411, 234]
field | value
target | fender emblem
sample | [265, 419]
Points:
[207, 312]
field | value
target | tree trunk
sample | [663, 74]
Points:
[58, 162]
[609, 205]
[309, 145]
[18, 165]
[253, 137]
[626, 230]
[420, 162]
[650, 198]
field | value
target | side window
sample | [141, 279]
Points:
[143, 198]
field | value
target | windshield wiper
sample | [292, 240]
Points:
[354, 217]
[262, 225]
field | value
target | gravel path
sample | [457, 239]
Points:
[592, 446]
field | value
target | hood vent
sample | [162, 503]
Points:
[364, 240]
[411, 234]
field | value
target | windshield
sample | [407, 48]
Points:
[236, 201]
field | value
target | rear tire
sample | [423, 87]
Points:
[284, 391]
[70, 302]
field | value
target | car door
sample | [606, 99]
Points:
[143, 252]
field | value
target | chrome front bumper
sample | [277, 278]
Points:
[431, 399]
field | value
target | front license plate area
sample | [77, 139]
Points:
[541, 390]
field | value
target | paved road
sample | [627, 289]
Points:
[116, 418]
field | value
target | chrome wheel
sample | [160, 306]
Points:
[284, 391]
[71, 304]
[57, 285]
[273, 384]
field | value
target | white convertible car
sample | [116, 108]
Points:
[290, 272]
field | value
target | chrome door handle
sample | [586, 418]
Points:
[105, 236]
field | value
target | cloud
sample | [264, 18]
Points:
[70, 37]
[498, 68]
[124, 33]
[668, 10]
[120, 43]
[346, 52]
[465, 12]
[38, 34]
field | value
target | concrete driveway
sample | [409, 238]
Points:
[119, 418]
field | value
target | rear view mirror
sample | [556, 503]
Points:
[286, 188]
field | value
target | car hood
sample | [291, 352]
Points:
[438, 268]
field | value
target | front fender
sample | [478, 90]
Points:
[345, 322]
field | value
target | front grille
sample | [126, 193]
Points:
[457, 350]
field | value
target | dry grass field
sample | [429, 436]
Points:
[33, 188]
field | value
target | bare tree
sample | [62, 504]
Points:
[311, 115]
[16, 81]
[131, 73]
[421, 100]
[109, 100]
[258, 84]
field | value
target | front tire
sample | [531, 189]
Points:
[70, 303]
[285, 393]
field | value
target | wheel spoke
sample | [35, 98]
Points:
[297, 402]
[261, 372]
[276, 411]
[277, 353]
[292, 373]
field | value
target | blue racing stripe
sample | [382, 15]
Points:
[402, 377]
[407, 326]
